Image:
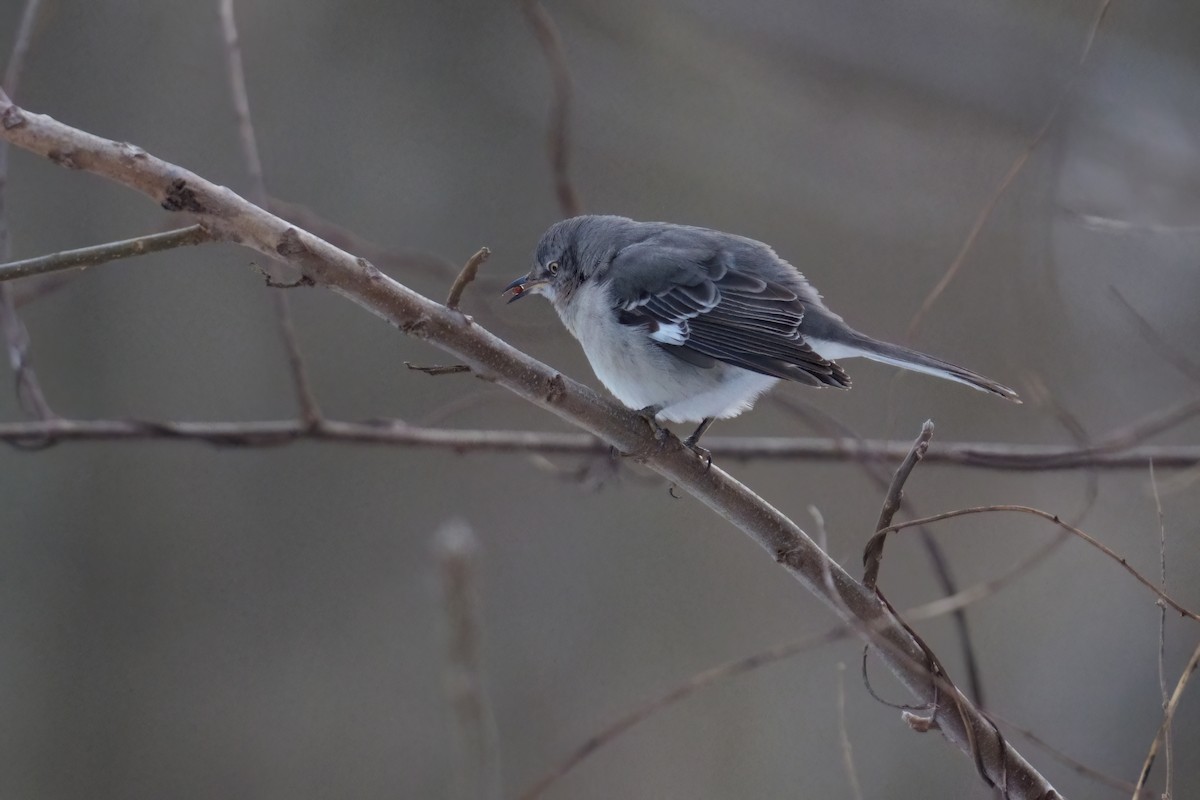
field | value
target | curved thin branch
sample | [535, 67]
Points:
[1046, 515]
[232, 217]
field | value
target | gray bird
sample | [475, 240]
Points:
[691, 324]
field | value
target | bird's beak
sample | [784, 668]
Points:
[522, 286]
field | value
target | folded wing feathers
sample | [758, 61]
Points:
[742, 320]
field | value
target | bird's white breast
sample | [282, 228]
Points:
[639, 373]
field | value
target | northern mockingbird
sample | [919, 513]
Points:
[691, 324]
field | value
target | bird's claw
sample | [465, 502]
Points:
[661, 434]
[704, 453]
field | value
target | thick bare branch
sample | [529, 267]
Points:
[234, 218]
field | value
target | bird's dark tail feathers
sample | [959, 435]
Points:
[863, 346]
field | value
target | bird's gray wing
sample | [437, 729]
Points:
[699, 303]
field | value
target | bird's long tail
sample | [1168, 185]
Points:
[858, 345]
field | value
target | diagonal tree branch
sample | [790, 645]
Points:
[235, 219]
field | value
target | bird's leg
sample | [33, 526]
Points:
[660, 433]
[693, 441]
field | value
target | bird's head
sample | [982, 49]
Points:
[569, 253]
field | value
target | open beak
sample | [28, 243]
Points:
[521, 287]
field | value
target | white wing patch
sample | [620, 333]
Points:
[675, 333]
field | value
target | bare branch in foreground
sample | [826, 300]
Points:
[1014, 169]
[1046, 515]
[477, 776]
[233, 218]
[464, 279]
[310, 411]
[16, 336]
[558, 131]
[104, 253]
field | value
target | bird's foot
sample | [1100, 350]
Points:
[661, 434]
[704, 453]
[649, 413]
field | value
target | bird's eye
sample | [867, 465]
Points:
[553, 267]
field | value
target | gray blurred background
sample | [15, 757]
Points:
[183, 621]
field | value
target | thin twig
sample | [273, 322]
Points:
[891, 502]
[104, 253]
[975, 593]
[1042, 395]
[558, 130]
[1162, 631]
[1014, 169]
[847, 748]
[439, 369]
[310, 411]
[924, 717]
[775, 654]
[464, 279]
[35, 289]
[933, 549]
[271, 433]
[389, 260]
[1046, 515]
[16, 335]
[21, 45]
[477, 775]
[694, 684]
[1158, 343]
[1075, 764]
[1168, 716]
[1110, 225]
